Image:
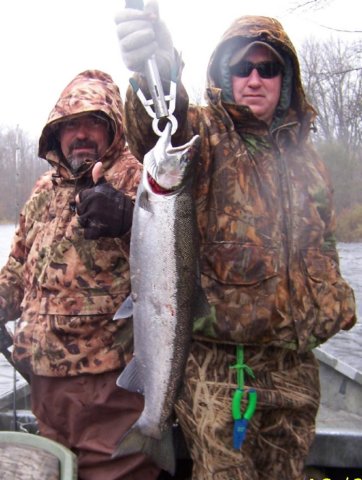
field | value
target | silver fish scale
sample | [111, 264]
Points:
[165, 287]
[163, 281]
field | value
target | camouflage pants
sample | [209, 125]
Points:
[281, 430]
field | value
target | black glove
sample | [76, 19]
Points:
[104, 211]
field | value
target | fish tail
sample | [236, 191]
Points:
[160, 451]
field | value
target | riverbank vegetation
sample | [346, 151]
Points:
[349, 225]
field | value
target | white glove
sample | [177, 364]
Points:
[141, 34]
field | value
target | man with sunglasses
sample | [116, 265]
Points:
[256, 76]
[68, 273]
[268, 257]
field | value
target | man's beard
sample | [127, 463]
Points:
[79, 161]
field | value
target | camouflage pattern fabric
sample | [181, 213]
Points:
[269, 266]
[266, 221]
[65, 288]
[282, 429]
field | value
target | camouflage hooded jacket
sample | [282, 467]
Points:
[65, 289]
[269, 263]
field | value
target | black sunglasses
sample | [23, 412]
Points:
[268, 69]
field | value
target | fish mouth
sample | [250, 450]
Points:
[168, 165]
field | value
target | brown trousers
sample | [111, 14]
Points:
[89, 414]
[281, 430]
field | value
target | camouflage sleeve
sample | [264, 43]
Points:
[11, 276]
[326, 210]
[324, 202]
[138, 124]
[12, 273]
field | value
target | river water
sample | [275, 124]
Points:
[345, 344]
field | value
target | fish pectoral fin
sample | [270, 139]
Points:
[125, 310]
[144, 203]
[131, 378]
[160, 451]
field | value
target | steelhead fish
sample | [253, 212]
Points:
[164, 294]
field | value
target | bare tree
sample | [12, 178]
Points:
[333, 78]
[310, 6]
[197, 94]
[20, 167]
[332, 74]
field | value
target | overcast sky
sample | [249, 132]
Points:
[44, 44]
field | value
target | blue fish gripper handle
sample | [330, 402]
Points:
[239, 434]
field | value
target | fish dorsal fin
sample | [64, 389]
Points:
[125, 310]
[131, 378]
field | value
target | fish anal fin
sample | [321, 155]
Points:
[131, 379]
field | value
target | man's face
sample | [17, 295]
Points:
[260, 94]
[83, 138]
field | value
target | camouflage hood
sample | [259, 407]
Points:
[247, 29]
[89, 91]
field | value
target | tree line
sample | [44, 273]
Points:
[20, 167]
[332, 77]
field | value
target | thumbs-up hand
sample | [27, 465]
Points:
[103, 211]
[97, 173]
